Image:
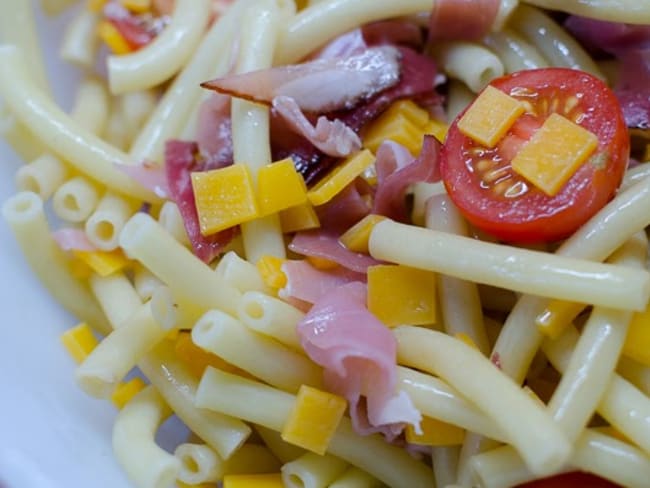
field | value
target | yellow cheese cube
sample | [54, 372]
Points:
[340, 177]
[435, 433]
[300, 217]
[401, 295]
[270, 268]
[104, 263]
[224, 198]
[556, 317]
[112, 37]
[398, 129]
[437, 129]
[79, 341]
[253, 481]
[554, 153]
[137, 6]
[356, 237]
[490, 116]
[409, 109]
[313, 419]
[95, 5]
[637, 341]
[125, 391]
[279, 186]
[180, 484]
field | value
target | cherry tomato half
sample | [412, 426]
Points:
[494, 198]
[576, 479]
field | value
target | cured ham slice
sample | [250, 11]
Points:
[327, 246]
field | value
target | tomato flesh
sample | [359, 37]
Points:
[494, 198]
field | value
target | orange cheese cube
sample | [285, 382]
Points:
[279, 186]
[554, 153]
[125, 391]
[253, 481]
[637, 341]
[79, 341]
[435, 433]
[398, 129]
[401, 295]
[300, 217]
[270, 268]
[437, 129]
[490, 116]
[356, 237]
[224, 198]
[340, 177]
[314, 419]
[112, 37]
[104, 263]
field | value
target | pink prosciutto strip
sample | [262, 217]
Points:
[326, 245]
[149, 175]
[358, 354]
[180, 162]
[462, 19]
[344, 210]
[318, 86]
[70, 239]
[214, 130]
[332, 137]
[390, 198]
[308, 284]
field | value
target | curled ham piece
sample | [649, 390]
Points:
[214, 130]
[181, 159]
[318, 86]
[358, 354]
[136, 31]
[149, 175]
[343, 211]
[69, 239]
[462, 19]
[332, 137]
[308, 284]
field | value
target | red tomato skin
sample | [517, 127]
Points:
[576, 479]
[535, 216]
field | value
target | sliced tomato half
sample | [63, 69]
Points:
[494, 198]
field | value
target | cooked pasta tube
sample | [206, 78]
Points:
[172, 221]
[165, 55]
[522, 270]
[515, 52]
[261, 356]
[459, 98]
[116, 295]
[75, 200]
[80, 41]
[555, 44]
[146, 464]
[136, 107]
[64, 137]
[470, 63]
[636, 373]
[473, 445]
[198, 464]
[354, 477]
[635, 175]
[445, 464]
[178, 268]
[237, 396]
[240, 274]
[459, 299]
[172, 313]
[529, 428]
[55, 7]
[25, 215]
[628, 11]
[115, 132]
[281, 449]
[145, 282]
[312, 471]
[21, 140]
[43, 176]
[223, 433]
[91, 106]
[272, 317]
[252, 459]
[103, 227]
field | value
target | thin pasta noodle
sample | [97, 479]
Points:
[21, 140]
[165, 55]
[103, 227]
[281, 449]
[75, 200]
[42, 176]
[25, 215]
[636, 373]
[91, 106]
[198, 464]
[115, 132]
[240, 274]
[473, 445]
[116, 296]
[172, 221]
[515, 52]
[145, 282]
[171, 312]
[234, 395]
[55, 7]
[470, 63]
[312, 471]
[80, 42]
[445, 464]
[354, 477]
[136, 107]
[628, 11]
[252, 459]
[145, 463]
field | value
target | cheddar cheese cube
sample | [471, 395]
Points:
[554, 153]
[95, 5]
[435, 433]
[104, 263]
[79, 341]
[437, 129]
[112, 37]
[401, 295]
[273, 480]
[125, 391]
[637, 341]
[397, 129]
[270, 268]
[137, 6]
[279, 186]
[557, 316]
[314, 419]
[224, 198]
[490, 116]
[340, 177]
[356, 237]
[300, 217]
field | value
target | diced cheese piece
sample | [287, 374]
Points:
[557, 316]
[198, 359]
[490, 116]
[125, 391]
[398, 129]
[137, 6]
[79, 341]
[224, 198]
[340, 177]
[356, 237]
[401, 295]
[180, 484]
[253, 481]
[461, 336]
[637, 341]
[104, 263]
[554, 153]
[80, 270]
[270, 268]
[300, 217]
[437, 129]
[95, 5]
[279, 186]
[435, 433]
[314, 419]
[112, 37]
[409, 109]
[321, 263]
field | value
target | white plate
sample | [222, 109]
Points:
[51, 433]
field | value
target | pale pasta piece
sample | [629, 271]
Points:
[172, 221]
[115, 132]
[171, 312]
[459, 98]
[234, 395]
[515, 52]
[240, 274]
[636, 373]
[354, 477]
[421, 193]
[55, 7]
[75, 200]
[116, 295]
[25, 215]
[312, 471]
[628, 11]
[281, 449]
[145, 282]
[146, 464]
[445, 464]
[252, 459]
[136, 107]
[165, 55]
[198, 464]
[21, 140]
[468, 62]
[261, 356]
[91, 106]
[43, 176]
[473, 445]
[103, 227]
[80, 41]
